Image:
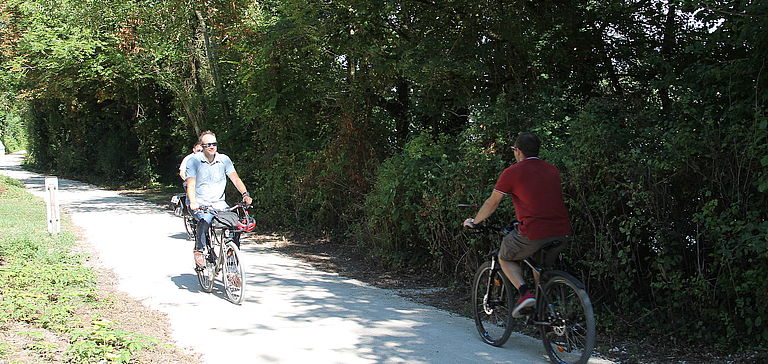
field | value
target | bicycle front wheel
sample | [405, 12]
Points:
[569, 332]
[234, 276]
[492, 305]
[206, 274]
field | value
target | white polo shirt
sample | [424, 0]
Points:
[210, 178]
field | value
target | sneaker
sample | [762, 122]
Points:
[526, 301]
[199, 259]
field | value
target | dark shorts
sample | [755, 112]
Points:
[516, 247]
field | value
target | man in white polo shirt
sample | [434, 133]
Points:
[197, 148]
[207, 174]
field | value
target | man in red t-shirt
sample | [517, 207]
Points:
[537, 195]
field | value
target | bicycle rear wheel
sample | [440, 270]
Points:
[189, 226]
[569, 335]
[234, 276]
[492, 305]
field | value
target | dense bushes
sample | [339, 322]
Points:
[413, 212]
[13, 132]
[654, 243]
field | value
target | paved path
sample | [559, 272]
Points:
[292, 313]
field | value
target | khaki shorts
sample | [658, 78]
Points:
[516, 247]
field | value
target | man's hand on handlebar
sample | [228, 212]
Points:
[194, 206]
[470, 223]
[247, 199]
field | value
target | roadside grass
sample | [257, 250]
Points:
[48, 298]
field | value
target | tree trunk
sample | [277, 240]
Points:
[667, 45]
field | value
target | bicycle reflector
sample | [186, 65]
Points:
[246, 223]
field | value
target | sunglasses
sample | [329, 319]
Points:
[206, 145]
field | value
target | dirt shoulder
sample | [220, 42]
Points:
[21, 342]
[131, 315]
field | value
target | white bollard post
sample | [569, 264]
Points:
[52, 204]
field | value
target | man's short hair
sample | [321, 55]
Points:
[528, 143]
[207, 132]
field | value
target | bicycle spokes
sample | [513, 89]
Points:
[568, 330]
[233, 274]
[491, 303]
[206, 274]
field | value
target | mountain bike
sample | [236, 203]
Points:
[563, 311]
[180, 209]
[222, 254]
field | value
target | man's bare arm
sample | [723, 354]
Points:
[191, 193]
[489, 206]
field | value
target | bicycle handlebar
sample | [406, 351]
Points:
[483, 228]
[241, 204]
[468, 205]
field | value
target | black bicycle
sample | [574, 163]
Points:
[563, 311]
[222, 254]
[181, 209]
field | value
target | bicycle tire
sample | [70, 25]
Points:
[189, 227]
[207, 274]
[234, 275]
[493, 312]
[569, 335]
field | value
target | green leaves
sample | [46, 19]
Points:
[101, 341]
[46, 287]
[375, 119]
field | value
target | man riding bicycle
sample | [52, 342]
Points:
[197, 148]
[207, 174]
[537, 196]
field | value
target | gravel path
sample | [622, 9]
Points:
[292, 313]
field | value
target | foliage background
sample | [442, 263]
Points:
[372, 121]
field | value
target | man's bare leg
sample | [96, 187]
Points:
[515, 275]
[513, 272]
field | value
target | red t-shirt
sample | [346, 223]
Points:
[534, 186]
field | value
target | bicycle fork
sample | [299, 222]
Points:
[489, 306]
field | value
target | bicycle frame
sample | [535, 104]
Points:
[218, 235]
[214, 241]
[543, 273]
